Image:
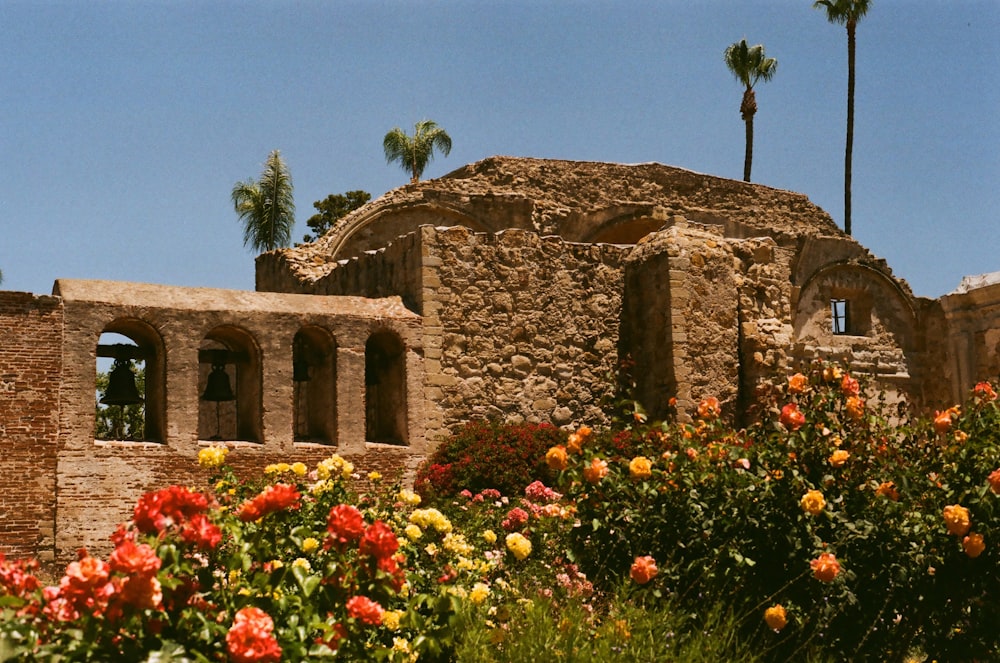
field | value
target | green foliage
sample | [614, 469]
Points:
[413, 153]
[115, 422]
[333, 207]
[266, 207]
[485, 454]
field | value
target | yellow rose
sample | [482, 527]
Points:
[490, 537]
[300, 469]
[518, 545]
[309, 544]
[213, 456]
[640, 468]
[813, 502]
[413, 532]
[480, 592]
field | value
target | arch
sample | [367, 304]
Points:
[314, 371]
[377, 229]
[385, 389]
[144, 355]
[231, 351]
[870, 302]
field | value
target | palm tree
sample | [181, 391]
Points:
[749, 65]
[266, 207]
[847, 12]
[414, 152]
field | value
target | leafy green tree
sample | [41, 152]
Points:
[266, 206]
[120, 422]
[333, 207]
[749, 65]
[414, 152]
[847, 13]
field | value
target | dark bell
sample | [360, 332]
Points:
[121, 385]
[217, 388]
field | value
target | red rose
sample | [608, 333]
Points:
[249, 640]
[345, 524]
[364, 609]
[379, 541]
[791, 417]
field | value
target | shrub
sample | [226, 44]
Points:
[489, 455]
[876, 537]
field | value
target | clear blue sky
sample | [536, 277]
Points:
[125, 124]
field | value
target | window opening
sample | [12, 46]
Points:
[841, 315]
[385, 389]
[128, 401]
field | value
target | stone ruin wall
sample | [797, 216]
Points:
[516, 326]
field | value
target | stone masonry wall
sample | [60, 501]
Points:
[30, 336]
[516, 326]
[680, 322]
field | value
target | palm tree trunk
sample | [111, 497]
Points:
[748, 158]
[748, 109]
[849, 150]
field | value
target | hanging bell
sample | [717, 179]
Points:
[217, 388]
[121, 385]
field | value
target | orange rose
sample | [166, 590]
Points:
[825, 567]
[994, 480]
[984, 392]
[597, 470]
[855, 408]
[775, 617]
[973, 545]
[849, 386]
[942, 422]
[839, 457]
[797, 384]
[576, 440]
[709, 408]
[556, 458]
[956, 518]
[643, 569]
[888, 490]
[831, 373]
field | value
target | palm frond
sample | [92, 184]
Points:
[266, 207]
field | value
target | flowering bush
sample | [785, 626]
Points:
[285, 568]
[484, 454]
[875, 536]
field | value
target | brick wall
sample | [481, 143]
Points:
[30, 360]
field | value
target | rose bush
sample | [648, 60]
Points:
[876, 534]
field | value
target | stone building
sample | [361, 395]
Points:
[510, 288]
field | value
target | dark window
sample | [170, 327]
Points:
[840, 311]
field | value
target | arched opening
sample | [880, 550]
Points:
[130, 383]
[385, 389]
[314, 371]
[229, 386]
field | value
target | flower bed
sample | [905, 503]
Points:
[821, 528]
